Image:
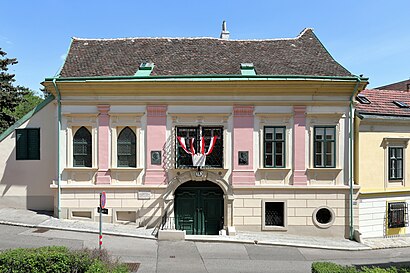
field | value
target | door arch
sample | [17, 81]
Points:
[199, 208]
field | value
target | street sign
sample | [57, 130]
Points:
[103, 211]
[103, 199]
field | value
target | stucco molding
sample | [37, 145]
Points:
[194, 175]
[394, 141]
[156, 110]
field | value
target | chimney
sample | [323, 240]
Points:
[224, 33]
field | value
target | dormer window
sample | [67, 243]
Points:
[401, 104]
[248, 69]
[362, 99]
[145, 69]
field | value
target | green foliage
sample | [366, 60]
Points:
[29, 101]
[326, 267]
[58, 259]
[385, 270]
[10, 95]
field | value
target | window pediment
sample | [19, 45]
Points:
[392, 141]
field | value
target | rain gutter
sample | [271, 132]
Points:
[58, 147]
[203, 78]
[351, 220]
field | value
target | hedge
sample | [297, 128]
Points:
[58, 259]
[327, 267]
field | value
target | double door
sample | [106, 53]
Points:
[199, 210]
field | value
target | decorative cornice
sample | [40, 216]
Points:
[156, 110]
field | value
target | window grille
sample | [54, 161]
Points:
[82, 148]
[274, 214]
[213, 160]
[126, 148]
[397, 215]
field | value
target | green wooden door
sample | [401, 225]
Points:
[199, 209]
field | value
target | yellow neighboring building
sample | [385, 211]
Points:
[382, 161]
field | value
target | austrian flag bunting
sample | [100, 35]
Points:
[198, 159]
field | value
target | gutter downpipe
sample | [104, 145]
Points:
[351, 157]
[58, 148]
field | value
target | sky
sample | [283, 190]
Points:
[367, 37]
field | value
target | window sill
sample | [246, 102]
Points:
[324, 170]
[395, 183]
[80, 169]
[125, 169]
[274, 228]
[274, 169]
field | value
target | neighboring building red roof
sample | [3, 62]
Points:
[381, 102]
[303, 55]
[402, 86]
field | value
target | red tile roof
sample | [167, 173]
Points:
[402, 86]
[381, 102]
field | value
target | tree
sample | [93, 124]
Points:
[10, 96]
[30, 100]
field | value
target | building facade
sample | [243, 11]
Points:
[382, 136]
[202, 134]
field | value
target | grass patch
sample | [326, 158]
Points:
[58, 259]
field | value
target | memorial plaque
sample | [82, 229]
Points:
[144, 195]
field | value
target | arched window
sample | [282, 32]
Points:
[126, 148]
[82, 148]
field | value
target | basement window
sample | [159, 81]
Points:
[401, 104]
[397, 215]
[362, 99]
[323, 217]
[274, 215]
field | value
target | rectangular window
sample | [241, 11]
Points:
[193, 135]
[324, 147]
[274, 215]
[28, 144]
[274, 147]
[395, 163]
[397, 215]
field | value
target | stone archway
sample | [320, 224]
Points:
[203, 175]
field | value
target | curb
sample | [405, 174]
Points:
[267, 243]
[211, 240]
[78, 230]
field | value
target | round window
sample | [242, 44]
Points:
[323, 217]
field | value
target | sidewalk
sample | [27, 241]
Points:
[28, 218]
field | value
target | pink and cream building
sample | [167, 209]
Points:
[206, 134]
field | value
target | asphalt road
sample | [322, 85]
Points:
[192, 257]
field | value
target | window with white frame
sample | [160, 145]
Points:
[395, 160]
[274, 146]
[395, 163]
[274, 215]
[324, 147]
[82, 148]
[126, 148]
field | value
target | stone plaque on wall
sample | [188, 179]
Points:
[144, 195]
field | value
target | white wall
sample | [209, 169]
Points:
[26, 183]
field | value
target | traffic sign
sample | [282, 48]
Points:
[103, 199]
[103, 211]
